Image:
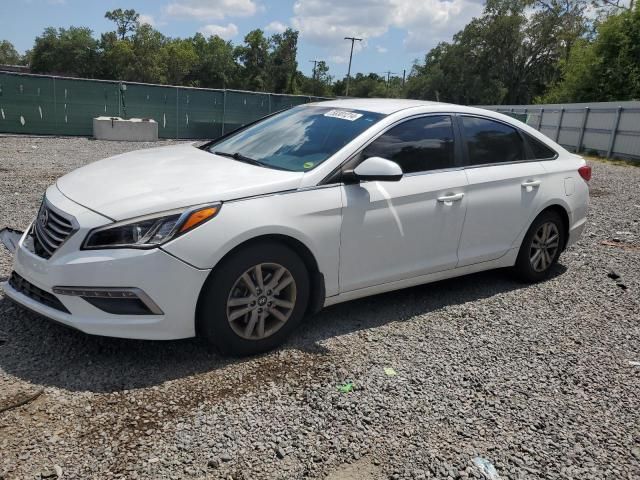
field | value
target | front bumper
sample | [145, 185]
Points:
[171, 283]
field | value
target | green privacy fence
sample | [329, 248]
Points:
[50, 105]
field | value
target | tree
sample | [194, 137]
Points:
[282, 61]
[254, 57]
[127, 21]
[216, 65]
[8, 54]
[508, 55]
[147, 44]
[606, 68]
[71, 51]
[178, 58]
[118, 57]
[615, 5]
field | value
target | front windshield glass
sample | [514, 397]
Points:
[297, 139]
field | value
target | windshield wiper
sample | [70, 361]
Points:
[241, 158]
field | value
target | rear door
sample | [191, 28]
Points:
[503, 192]
[397, 230]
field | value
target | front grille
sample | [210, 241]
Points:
[23, 286]
[50, 230]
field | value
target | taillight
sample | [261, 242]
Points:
[585, 172]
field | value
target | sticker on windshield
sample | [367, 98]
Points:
[342, 114]
[307, 165]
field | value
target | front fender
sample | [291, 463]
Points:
[312, 216]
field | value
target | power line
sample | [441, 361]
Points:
[353, 40]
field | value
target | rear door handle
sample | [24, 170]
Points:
[449, 199]
[531, 183]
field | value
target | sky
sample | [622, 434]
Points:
[395, 32]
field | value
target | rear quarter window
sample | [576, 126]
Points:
[538, 149]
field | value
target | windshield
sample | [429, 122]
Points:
[297, 139]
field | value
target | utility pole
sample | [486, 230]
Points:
[315, 62]
[353, 40]
[388, 78]
[404, 74]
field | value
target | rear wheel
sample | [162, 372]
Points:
[254, 299]
[541, 247]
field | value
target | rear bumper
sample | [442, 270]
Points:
[575, 232]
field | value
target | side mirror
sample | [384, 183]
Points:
[374, 168]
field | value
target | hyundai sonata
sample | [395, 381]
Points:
[238, 239]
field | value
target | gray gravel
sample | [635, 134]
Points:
[539, 380]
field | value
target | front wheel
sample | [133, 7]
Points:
[254, 299]
[541, 247]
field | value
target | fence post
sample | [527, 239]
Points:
[584, 126]
[614, 132]
[55, 103]
[177, 111]
[540, 119]
[559, 124]
[269, 103]
[224, 107]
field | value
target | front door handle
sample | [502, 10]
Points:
[449, 199]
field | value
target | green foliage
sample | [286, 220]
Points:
[216, 65]
[282, 66]
[319, 84]
[606, 68]
[254, 56]
[516, 52]
[126, 21]
[508, 55]
[71, 51]
[8, 54]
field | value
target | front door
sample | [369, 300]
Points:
[397, 230]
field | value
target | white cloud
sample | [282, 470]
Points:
[276, 27]
[225, 32]
[426, 22]
[148, 19]
[211, 9]
[381, 49]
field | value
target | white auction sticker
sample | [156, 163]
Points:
[351, 116]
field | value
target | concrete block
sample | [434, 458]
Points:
[131, 130]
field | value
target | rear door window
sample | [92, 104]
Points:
[489, 141]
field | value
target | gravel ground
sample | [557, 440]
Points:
[540, 380]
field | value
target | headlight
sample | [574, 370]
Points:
[151, 230]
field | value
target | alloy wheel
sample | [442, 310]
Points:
[261, 301]
[544, 246]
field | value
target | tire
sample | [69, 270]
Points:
[535, 264]
[237, 316]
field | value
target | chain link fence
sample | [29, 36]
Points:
[52, 105]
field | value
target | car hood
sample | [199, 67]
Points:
[158, 179]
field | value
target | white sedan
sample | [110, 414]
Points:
[238, 239]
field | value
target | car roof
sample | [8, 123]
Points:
[385, 106]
